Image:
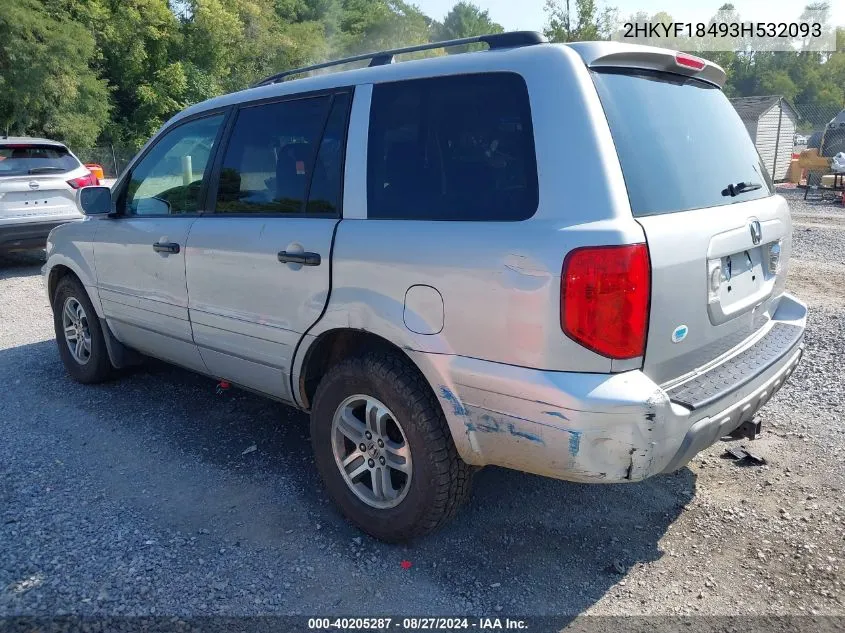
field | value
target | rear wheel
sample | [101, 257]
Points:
[384, 450]
[79, 334]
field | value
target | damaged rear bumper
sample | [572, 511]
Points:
[602, 427]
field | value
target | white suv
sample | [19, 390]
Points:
[38, 183]
[563, 259]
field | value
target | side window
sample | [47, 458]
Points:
[452, 148]
[168, 179]
[275, 151]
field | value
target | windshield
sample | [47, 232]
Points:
[19, 159]
[680, 142]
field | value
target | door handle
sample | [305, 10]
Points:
[306, 259]
[166, 247]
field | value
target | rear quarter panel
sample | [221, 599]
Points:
[500, 281]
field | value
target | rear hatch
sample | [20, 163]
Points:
[717, 235]
[33, 182]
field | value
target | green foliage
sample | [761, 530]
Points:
[585, 21]
[46, 84]
[465, 20]
[372, 25]
[113, 71]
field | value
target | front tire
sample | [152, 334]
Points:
[384, 450]
[79, 334]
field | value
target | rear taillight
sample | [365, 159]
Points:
[88, 180]
[604, 298]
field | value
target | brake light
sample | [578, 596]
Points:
[604, 299]
[689, 61]
[88, 180]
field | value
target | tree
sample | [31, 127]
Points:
[778, 82]
[112, 71]
[230, 44]
[587, 22]
[373, 25]
[140, 41]
[46, 84]
[465, 20]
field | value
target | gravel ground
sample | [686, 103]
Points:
[140, 497]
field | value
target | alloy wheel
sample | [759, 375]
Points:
[372, 452]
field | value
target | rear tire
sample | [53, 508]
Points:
[414, 437]
[79, 334]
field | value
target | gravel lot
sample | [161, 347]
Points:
[140, 497]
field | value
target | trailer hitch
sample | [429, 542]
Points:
[748, 430]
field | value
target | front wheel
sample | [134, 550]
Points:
[79, 334]
[384, 450]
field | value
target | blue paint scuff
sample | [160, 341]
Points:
[527, 436]
[574, 442]
[488, 424]
[556, 414]
[453, 400]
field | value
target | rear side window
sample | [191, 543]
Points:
[278, 152]
[680, 142]
[21, 159]
[452, 148]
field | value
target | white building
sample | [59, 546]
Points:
[771, 122]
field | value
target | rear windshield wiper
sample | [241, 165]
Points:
[740, 187]
[46, 170]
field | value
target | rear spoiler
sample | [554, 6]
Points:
[619, 55]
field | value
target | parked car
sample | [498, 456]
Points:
[561, 259]
[38, 182]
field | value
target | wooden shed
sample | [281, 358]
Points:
[771, 122]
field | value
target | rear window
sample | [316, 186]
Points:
[680, 142]
[452, 148]
[16, 160]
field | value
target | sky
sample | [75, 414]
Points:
[529, 15]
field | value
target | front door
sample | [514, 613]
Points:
[258, 266]
[140, 254]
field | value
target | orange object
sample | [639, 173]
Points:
[95, 169]
[794, 172]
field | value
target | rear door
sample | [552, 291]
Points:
[716, 232]
[258, 267]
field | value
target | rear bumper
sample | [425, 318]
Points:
[22, 236]
[708, 430]
[607, 427]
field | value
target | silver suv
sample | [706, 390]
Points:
[562, 259]
[38, 183]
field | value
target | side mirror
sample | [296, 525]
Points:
[94, 200]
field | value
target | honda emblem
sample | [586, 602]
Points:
[756, 231]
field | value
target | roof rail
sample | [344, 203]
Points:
[511, 39]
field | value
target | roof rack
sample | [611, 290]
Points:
[512, 39]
